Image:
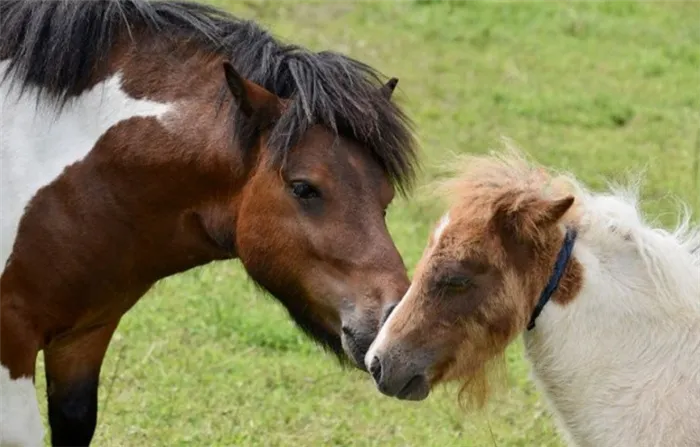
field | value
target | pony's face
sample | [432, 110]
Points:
[473, 291]
[312, 231]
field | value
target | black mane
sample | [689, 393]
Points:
[57, 46]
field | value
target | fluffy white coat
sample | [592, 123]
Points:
[620, 364]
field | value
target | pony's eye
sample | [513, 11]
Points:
[456, 282]
[305, 191]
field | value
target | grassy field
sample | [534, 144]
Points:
[604, 90]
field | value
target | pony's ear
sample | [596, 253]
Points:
[553, 210]
[250, 96]
[523, 217]
[388, 89]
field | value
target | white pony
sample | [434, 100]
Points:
[616, 351]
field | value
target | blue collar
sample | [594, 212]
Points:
[559, 267]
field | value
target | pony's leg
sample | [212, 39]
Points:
[20, 421]
[72, 376]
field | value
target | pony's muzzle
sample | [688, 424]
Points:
[397, 377]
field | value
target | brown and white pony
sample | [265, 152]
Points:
[142, 139]
[609, 307]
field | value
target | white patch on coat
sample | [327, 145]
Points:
[444, 222]
[20, 421]
[620, 364]
[37, 143]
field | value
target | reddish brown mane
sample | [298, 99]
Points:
[507, 180]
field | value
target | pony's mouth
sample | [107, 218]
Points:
[401, 384]
[355, 347]
[416, 389]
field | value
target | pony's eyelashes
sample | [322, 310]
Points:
[453, 282]
[304, 190]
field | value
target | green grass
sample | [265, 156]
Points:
[603, 90]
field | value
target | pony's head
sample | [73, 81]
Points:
[310, 225]
[481, 275]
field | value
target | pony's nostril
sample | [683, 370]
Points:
[347, 332]
[375, 368]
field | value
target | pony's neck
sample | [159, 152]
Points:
[631, 335]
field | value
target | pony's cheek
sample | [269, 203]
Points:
[260, 238]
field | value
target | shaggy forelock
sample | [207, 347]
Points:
[332, 90]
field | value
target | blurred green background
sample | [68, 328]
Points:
[604, 90]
